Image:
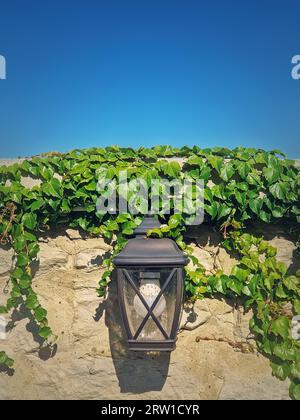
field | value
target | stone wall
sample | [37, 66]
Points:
[215, 356]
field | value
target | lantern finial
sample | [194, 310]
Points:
[149, 223]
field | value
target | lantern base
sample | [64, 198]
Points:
[166, 345]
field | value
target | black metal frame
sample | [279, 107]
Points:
[169, 343]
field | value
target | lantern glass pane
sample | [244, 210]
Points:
[150, 332]
[149, 282]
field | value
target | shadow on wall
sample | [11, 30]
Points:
[44, 350]
[137, 372]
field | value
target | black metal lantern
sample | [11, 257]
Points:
[150, 289]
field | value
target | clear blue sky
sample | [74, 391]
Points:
[84, 73]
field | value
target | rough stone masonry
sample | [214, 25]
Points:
[215, 356]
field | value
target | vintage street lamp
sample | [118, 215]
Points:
[150, 289]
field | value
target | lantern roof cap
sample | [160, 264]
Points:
[143, 251]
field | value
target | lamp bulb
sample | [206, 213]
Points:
[149, 289]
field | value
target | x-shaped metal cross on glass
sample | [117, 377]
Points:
[151, 308]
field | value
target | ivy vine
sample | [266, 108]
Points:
[241, 185]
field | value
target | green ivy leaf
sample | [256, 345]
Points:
[195, 160]
[33, 250]
[205, 173]
[280, 370]
[295, 370]
[215, 162]
[29, 237]
[20, 243]
[243, 169]
[253, 178]
[281, 267]
[253, 283]
[11, 303]
[280, 293]
[5, 360]
[15, 293]
[122, 218]
[292, 283]
[101, 292]
[212, 210]
[127, 231]
[112, 225]
[91, 186]
[40, 314]
[45, 332]
[37, 204]
[278, 212]
[281, 326]
[256, 205]
[217, 284]
[266, 346]
[240, 197]
[22, 259]
[240, 274]
[271, 174]
[65, 207]
[46, 173]
[250, 263]
[103, 283]
[297, 306]
[3, 357]
[155, 231]
[223, 211]
[227, 171]
[52, 188]
[279, 190]
[295, 391]
[284, 351]
[234, 285]
[9, 362]
[174, 221]
[25, 281]
[172, 169]
[56, 185]
[29, 221]
[264, 216]
[31, 302]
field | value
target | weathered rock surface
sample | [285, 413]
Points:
[6, 260]
[215, 356]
